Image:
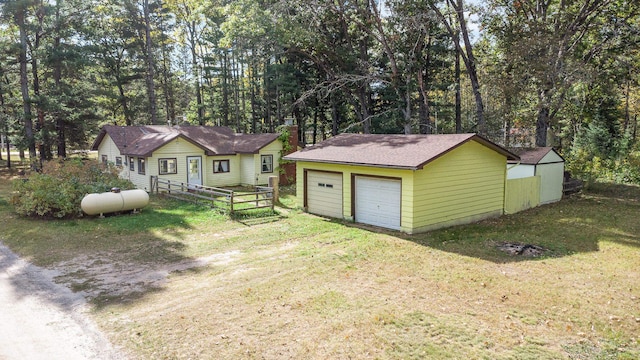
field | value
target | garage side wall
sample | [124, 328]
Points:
[463, 186]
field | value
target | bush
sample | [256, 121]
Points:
[591, 169]
[58, 190]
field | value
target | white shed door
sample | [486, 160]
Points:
[324, 193]
[378, 202]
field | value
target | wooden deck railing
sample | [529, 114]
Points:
[231, 200]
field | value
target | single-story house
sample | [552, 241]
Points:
[196, 155]
[544, 162]
[412, 183]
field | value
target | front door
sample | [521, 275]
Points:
[194, 170]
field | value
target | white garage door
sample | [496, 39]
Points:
[324, 193]
[378, 202]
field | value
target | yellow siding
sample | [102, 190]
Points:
[230, 178]
[347, 171]
[272, 149]
[178, 149]
[244, 169]
[462, 186]
[248, 169]
[522, 194]
[139, 180]
[109, 148]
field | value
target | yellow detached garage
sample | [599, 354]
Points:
[412, 183]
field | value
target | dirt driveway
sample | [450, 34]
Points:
[40, 319]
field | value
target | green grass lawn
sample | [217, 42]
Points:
[183, 281]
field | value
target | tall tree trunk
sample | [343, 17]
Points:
[60, 123]
[627, 117]
[169, 96]
[407, 107]
[167, 82]
[266, 91]
[243, 92]
[475, 85]
[466, 54]
[253, 91]
[5, 127]
[423, 113]
[334, 117]
[151, 92]
[542, 124]
[225, 88]
[507, 121]
[458, 105]
[123, 102]
[363, 91]
[191, 27]
[44, 145]
[315, 123]
[8, 145]
[61, 140]
[425, 126]
[365, 116]
[24, 87]
[235, 76]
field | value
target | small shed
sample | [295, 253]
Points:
[544, 162]
[411, 183]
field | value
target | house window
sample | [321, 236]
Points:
[220, 166]
[141, 166]
[167, 166]
[118, 161]
[132, 165]
[266, 162]
[104, 159]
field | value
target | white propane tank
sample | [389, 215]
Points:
[114, 201]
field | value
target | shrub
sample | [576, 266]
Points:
[58, 190]
[590, 169]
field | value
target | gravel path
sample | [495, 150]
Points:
[40, 319]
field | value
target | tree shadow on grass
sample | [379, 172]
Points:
[577, 224]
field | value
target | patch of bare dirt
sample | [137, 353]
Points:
[104, 275]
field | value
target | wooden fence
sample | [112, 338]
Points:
[522, 194]
[231, 200]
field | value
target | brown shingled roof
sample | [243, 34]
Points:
[396, 151]
[532, 156]
[214, 140]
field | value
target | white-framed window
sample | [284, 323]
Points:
[118, 161]
[141, 168]
[104, 159]
[266, 163]
[168, 166]
[132, 165]
[220, 166]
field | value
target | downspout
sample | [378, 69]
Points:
[514, 165]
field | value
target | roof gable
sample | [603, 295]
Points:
[533, 156]
[395, 151]
[214, 140]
